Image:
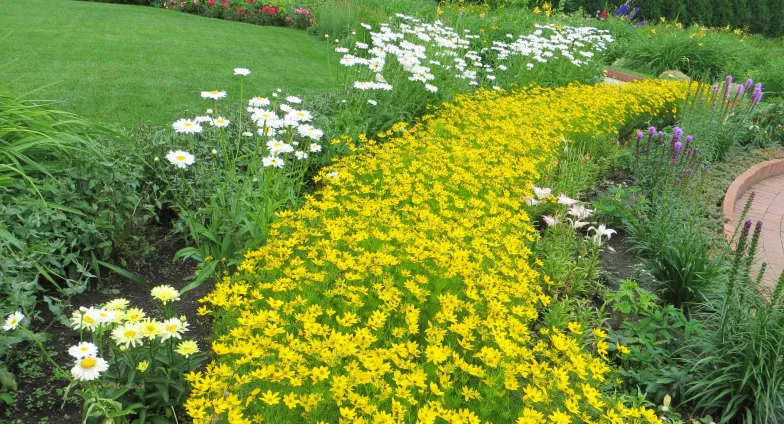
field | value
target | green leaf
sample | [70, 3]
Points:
[125, 273]
[7, 379]
[206, 273]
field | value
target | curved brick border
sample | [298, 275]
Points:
[738, 187]
[620, 76]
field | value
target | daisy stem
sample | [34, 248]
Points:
[57, 368]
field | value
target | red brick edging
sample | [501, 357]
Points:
[620, 76]
[745, 180]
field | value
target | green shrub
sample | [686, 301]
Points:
[653, 334]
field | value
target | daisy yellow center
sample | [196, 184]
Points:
[214, 92]
[88, 319]
[220, 121]
[171, 328]
[130, 334]
[88, 363]
[180, 157]
[188, 124]
[84, 349]
[14, 320]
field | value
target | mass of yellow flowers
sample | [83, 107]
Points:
[405, 291]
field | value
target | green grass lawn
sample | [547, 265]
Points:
[122, 64]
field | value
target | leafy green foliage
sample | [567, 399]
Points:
[653, 335]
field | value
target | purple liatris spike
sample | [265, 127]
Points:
[651, 130]
[659, 137]
[759, 225]
[715, 89]
[727, 87]
[677, 133]
[749, 83]
[746, 228]
[639, 136]
[757, 96]
[676, 147]
[689, 139]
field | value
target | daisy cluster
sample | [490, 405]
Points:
[128, 327]
[285, 128]
[430, 52]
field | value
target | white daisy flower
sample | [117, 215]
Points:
[372, 102]
[173, 328]
[186, 126]
[431, 88]
[310, 132]
[209, 111]
[273, 161]
[259, 102]
[247, 134]
[116, 304]
[203, 118]
[315, 147]
[299, 115]
[13, 320]
[243, 72]
[104, 316]
[293, 99]
[300, 155]
[220, 122]
[213, 94]
[264, 117]
[83, 350]
[276, 147]
[89, 368]
[180, 159]
[266, 132]
[286, 108]
[129, 335]
[85, 318]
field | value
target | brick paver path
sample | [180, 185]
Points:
[768, 207]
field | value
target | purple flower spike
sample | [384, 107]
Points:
[749, 83]
[639, 136]
[677, 147]
[689, 139]
[759, 225]
[660, 135]
[739, 91]
[677, 133]
[715, 89]
[651, 130]
[746, 228]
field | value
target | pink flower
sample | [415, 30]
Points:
[195, 1]
[288, 19]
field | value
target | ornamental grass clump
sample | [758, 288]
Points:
[405, 289]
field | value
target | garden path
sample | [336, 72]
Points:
[768, 207]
